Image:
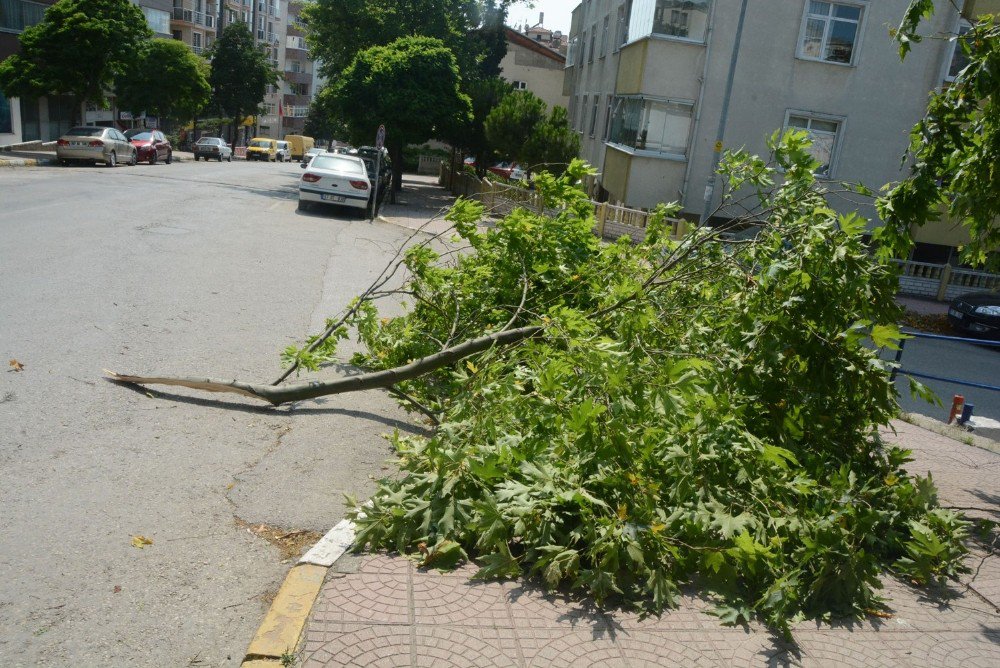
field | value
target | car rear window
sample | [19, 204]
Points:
[85, 132]
[208, 140]
[337, 163]
[141, 135]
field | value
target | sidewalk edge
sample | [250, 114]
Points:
[950, 431]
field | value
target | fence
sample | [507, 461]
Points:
[942, 281]
[611, 220]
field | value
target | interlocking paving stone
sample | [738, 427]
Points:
[386, 612]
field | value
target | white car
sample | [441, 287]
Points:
[332, 178]
[284, 152]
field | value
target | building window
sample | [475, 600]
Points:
[958, 59]
[593, 115]
[519, 85]
[604, 36]
[607, 118]
[824, 133]
[159, 22]
[6, 121]
[684, 19]
[571, 51]
[583, 113]
[621, 28]
[593, 42]
[16, 15]
[830, 32]
[196, 40]
[583, 48]
[644, 124]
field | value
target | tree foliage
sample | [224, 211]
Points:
[411, 85]
[692, 411]
[518, 128]
[165, 79]
[240, 72]
[77, 50]
[954, 150]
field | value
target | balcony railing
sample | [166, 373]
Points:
[191, 16]
[16, 15]
[296, 111]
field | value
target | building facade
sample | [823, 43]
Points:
[195, 22]
[300, 76]
[532, 64]
[649, 82]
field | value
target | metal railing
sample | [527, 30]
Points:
[191, 16]
[898, 368]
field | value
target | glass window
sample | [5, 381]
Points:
[604, 36]
[88, 131]
[583, 48]
[593, 43]
[571, 51]
[16, 15]
[159, 21]
[140, 135]
[686, 19]
[593, 115]
[958, 58]
[830, 32]
[651, 125]
[621, 28]
[340, 164]
[823, 133]
[6, 121]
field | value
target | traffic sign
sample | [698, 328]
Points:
[380, 137]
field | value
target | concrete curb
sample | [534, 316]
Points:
[951, 431]
[282, 628]
[25, 162]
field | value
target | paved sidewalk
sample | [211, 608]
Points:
[421, 200]
[377, 610]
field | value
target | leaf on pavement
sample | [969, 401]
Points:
[141, 541]
[16, 366]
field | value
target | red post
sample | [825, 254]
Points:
[956, 407]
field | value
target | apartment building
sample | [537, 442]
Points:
[300, 76]
[532, 64]
[656, 86]
[46, 118]
[195, 22]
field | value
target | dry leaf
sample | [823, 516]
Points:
[117, 589]
[141, 541]
[16, 366]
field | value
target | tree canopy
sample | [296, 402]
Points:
[411, 85]
[240, 72]
[954, 150]
[165, 79]
[78, 49]
[518, 128]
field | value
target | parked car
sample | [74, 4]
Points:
[212, 147]
[91, 143]
[335, 179]
[262, 148]
[976, 313]
[283, 151]
[508, 170]
[151, 145]
[300, 145]
[311, 153]
[369, 154]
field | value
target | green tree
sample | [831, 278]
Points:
[77, 50]
[519, 129]
[165, 79]
[412, 86]
[240, 74]
[954, 150]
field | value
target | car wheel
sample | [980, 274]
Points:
[112, 160]
[230, 158]
[133, 159]
[196, 157]
[152, 158]
[170, 157]
[220, 157]
[64, 163]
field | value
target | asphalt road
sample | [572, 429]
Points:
[184, 269]
[952, 359]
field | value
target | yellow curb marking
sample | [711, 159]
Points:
[280, 631]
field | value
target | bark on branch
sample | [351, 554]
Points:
[280, 394]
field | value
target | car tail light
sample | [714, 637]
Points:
[310, 178]
[63, 142]
[360, 185]
[97, 142]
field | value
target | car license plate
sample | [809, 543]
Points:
[332, 198]
[955, 314]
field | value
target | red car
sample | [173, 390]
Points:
[152, 145]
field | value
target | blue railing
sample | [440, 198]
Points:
[940, 337]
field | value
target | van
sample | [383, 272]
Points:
[300, 144]
[262, 148]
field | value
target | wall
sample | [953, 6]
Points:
[543, 76]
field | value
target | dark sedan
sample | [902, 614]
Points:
[977, 313]
[152, 145]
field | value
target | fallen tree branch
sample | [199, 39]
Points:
[280, 394]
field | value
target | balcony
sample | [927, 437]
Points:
[298, 77]
[193, 17]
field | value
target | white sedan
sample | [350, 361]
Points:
[335, 179]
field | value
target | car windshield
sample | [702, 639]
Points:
[337, 164]
[208, 140]
[141, 135]
[261, 143]
[85, 132]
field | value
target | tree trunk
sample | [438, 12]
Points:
[396, 153]
[279, 394]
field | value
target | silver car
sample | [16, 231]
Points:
[90, 143]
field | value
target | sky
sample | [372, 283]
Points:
[557, 14]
